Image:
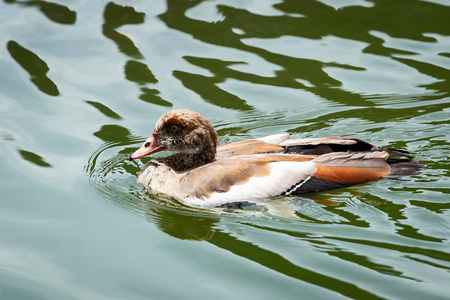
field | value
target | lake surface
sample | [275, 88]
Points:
[82, 84]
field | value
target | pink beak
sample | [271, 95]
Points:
[150, 146]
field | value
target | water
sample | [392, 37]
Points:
[83, 83]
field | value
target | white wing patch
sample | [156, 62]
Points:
[283, 175]
[275, 138]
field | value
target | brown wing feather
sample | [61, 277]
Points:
[352, 167]
[259, 146]
[245, 147]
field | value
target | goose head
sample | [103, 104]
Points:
[182, 131]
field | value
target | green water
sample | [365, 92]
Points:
[82, 84]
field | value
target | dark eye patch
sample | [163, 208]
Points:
[174, 128]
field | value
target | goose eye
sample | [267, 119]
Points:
[174, 128]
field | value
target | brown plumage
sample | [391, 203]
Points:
[203, 172]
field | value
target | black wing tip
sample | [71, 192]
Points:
[313, 184]
[406, 167]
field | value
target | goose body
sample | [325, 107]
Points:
[201, 172]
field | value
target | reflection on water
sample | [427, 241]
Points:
[306, 20]
[374, 69]
[35, 66]
[139, 72]
[55, 12]
[151, 96]
[105, 110]
[182, 224]
[34, 158]
[113, 133]
[278, 263]
[116, 16]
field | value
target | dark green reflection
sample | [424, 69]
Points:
[366, 262]
[206, 87]
[398, 18]
[104, 109]
[116, 16]
[373, 114]
[114, 133]
[139, 72]
[221, 33]
[56, 12]
[34, 159]
[35, 66]
[395, 212]
[184, 225]
[340, 252]
[307, 19]
[426, 252]
[439, 208]
[442, 75]
[280, 264]
[151, 96]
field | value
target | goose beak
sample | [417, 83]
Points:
[150, 146]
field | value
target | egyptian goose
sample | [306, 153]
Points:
[201, 172]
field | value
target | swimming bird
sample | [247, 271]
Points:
[202, 172]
